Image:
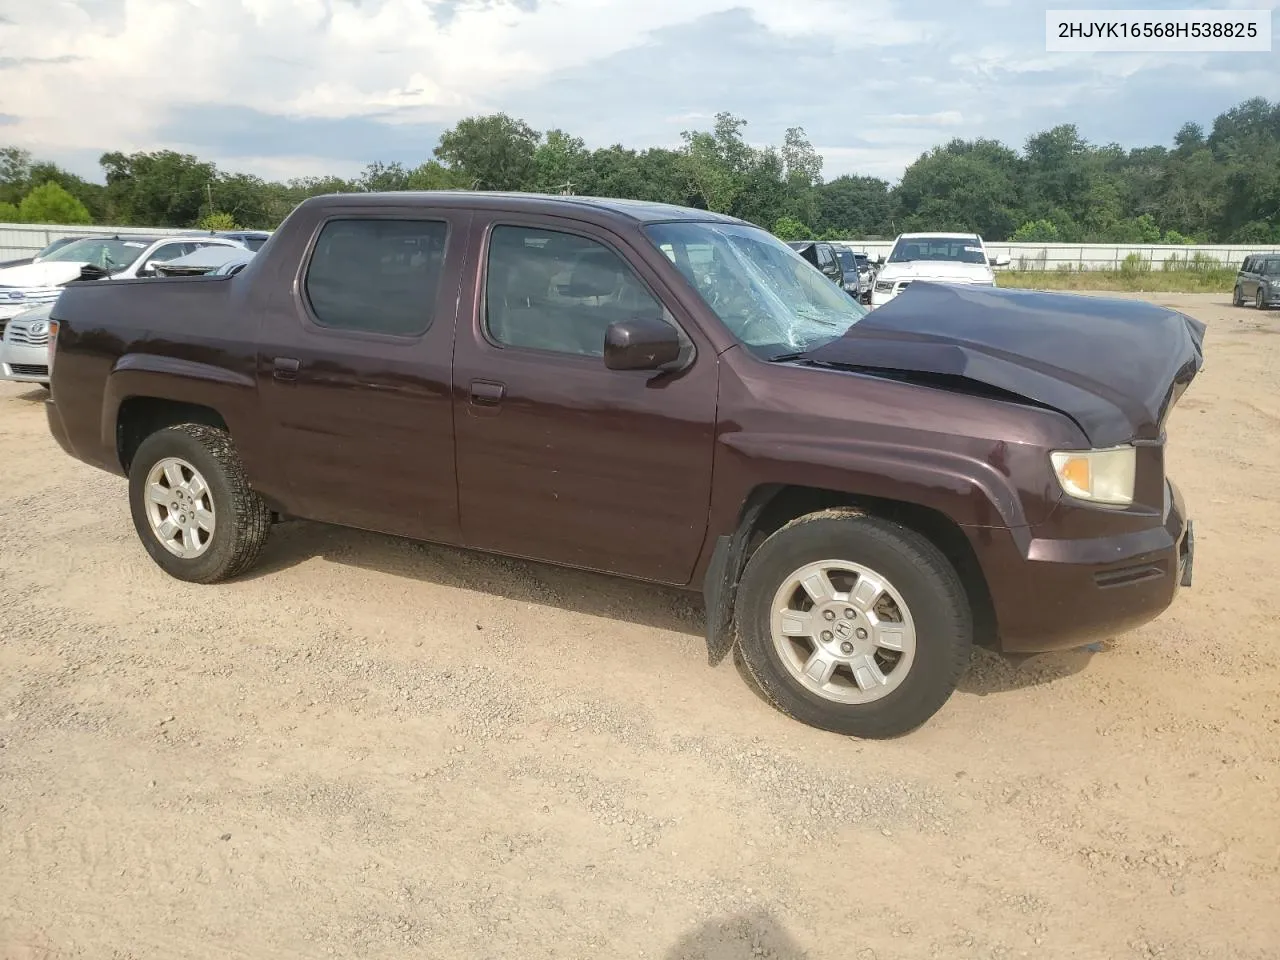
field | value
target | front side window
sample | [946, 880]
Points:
[954, 249]
[377, 276]
[546, 290]
[763, 291]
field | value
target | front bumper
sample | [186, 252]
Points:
[1056, 594]
[25, 363]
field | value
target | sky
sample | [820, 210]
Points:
[291, 88]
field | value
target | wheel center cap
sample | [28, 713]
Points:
[843, 629]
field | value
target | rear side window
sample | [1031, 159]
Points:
[546, 290]
[377, 276]
[824, 256]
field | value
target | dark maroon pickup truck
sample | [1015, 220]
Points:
[663, 394]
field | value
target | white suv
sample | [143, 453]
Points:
[936, 257]
[120, 257]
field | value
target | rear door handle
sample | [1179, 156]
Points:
[285, 368]
[487, 393]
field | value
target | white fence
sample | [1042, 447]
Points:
[19, 240]
[23, 239]
[1089, 256]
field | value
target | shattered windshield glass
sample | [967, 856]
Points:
[771, 299]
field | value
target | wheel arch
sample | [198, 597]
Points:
[770, 506]
[139, 416]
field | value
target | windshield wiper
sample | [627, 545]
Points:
[788, 357]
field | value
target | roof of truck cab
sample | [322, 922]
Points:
[641, 211]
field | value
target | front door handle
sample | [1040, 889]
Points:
[285, 368]
[487, 393]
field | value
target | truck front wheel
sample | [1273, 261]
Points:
[192, 504]
[853, 624]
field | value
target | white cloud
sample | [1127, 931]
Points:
[943, 118]
[93, 75]
[331, 58]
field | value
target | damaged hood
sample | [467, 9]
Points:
[1116, 367]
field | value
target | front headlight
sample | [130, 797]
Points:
[884, 286]
[1099, 476]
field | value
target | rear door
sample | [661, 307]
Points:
[354, 367]
[1246, 279]
[560, 458]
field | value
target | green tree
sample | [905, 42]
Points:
[1036, 231]
[963, 186]
[559, 161]
[15, 174]
[49, 203]
[492, 153]
[789, 228]
[161, 189]
[8, 212]
[855, 207]
[218, 221]
[379, 177]
[432, 175]
[715, 163]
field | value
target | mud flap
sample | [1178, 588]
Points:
[720, 585]
[1187, 560]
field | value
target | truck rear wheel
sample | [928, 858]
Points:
[853, 624]
[192, 504]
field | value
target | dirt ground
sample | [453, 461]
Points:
[379, 749]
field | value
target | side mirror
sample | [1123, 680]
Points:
[640, 344]
[879, 261]
[148, 269]
[1000, 261]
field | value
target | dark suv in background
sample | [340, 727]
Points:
[1258, 281]
[857, 279]
[823, 256]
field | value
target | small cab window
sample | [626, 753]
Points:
[824, 256]
[377, 276]
[546, 290]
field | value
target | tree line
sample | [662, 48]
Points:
[1220, 185]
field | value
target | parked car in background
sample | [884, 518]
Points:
[1258, 281]
[939, 257]
[36, 258]
[664, 394]
[24, 346]
[206, 260]
[823, 256]
[118, 257]
[854, 284]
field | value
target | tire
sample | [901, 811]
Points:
[240, 520]
[1237, 297]
[937, 617]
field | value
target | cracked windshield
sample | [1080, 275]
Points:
[763, 291]
[107, 254]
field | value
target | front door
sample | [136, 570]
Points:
[560, 458]
[354, 365]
